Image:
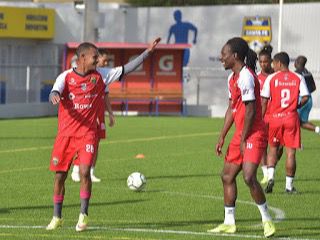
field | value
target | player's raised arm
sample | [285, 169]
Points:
[113, 74]
[132, 65]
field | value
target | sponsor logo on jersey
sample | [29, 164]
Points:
[55, 161]
[93, 80]
[71, 96]
[279, 83]
[90, 95]
[83, 86]
[82, 106]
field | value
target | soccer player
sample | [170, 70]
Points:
[282, 89]
[80, 92]
[265, 61]
[304, 111]
[75, 175]
[249, 140]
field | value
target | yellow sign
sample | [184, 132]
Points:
[257, 28]
[36, 23]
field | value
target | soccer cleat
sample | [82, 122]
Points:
[224, 228]
[269, 187]
[264, 180]
[269, 228]
[75, 176]
[292, 191]
[95, 179]
[55, 223]
[82, 222]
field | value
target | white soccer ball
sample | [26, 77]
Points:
[136, 181]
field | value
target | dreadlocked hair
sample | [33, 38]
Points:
[244, 53]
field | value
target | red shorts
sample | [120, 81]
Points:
[285, 132]
[253, 151]
[66, 148]
[75, 158]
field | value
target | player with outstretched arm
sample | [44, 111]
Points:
[80, 93]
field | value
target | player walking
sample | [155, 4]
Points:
[249, 140]
[282, 89]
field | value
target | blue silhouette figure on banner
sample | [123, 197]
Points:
[180, 30]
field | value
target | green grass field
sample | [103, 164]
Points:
[184, 195]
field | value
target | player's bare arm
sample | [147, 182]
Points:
[228, 121]
[54, 97]
[303, 101]
[109, 110]
[248, 122]
[264, 104]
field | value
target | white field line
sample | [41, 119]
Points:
[117, 141]
[162, 231]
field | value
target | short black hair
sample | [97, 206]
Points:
[103, 51]
[282, 57]
[84, 47]
[301, 61]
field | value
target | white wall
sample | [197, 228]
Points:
[216, 24]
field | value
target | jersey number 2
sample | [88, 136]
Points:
[285, 96]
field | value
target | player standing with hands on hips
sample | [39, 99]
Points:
[249, 140]
[80, 92]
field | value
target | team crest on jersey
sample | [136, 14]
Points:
[83, 86]
[55, 161]
[72, 81]
[93, 80]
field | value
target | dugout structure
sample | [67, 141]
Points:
[155, 87]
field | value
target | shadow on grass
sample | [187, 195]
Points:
[177, 176]
[7, 210]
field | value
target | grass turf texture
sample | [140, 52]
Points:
[183, 197]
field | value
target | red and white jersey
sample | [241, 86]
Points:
[245, 87]
[283, 88]
[82, 100]
[109, 75]
[262, 78]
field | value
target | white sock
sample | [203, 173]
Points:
[75, 169]
[92, 171]
[270, 173]
[264, 170]
[263, 208]
[289, 182]
[317, 130]
[229, 218]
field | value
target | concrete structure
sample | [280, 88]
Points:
[206, 83]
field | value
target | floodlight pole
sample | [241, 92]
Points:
[280, 25]
[91, 14]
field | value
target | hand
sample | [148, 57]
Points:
[112, 120]
[54, 97]
[219, 146]
[243, 144]
[153, 45]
